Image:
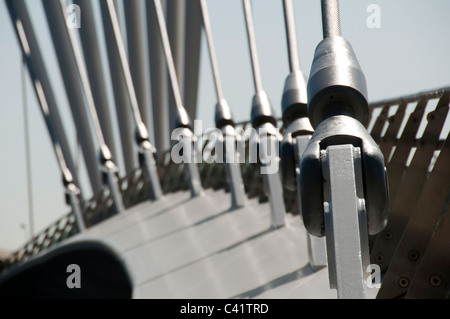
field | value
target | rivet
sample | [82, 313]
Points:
[403, 282]
[413, 255]
[435, 280]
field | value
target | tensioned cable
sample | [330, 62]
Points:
[124, 60]
[26, 50]
[169, 56]
[257, 79]
[291, 33]
[330, 18]
[85, 82]
[27, 149]
[211, 48]
[72, 189]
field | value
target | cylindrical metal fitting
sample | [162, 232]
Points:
[223, 116]
[339, 130]
[295, 97]
[262, 111]
[337, 85]
[182, 119]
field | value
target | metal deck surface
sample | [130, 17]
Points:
[199, 248]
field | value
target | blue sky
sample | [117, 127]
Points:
[408, 54]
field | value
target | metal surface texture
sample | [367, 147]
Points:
[192, 57]
[175, 21]
[134, 191]
[336, 83]
[410, 187]
[137, 55]
[340, 130]
[431, 279]
[317, 247]
[345, 220]
[419, 229]
[406, 249]
[331, 20]
[158, 79]
[232, 228]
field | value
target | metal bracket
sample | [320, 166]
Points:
[109, 172]
[317, 252]
[73, 199]
[189, 159]
[232, 167]
[345, 220]
[148, 163]
[272, 180]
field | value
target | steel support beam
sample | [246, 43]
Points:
[79, 82]
[124, 116]
[33, 56]
[38, 73]
[69, 72]
[192, 56]
[145, 149]
[137, 55]
[159, 81]
[93, 60]
[176, 23]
